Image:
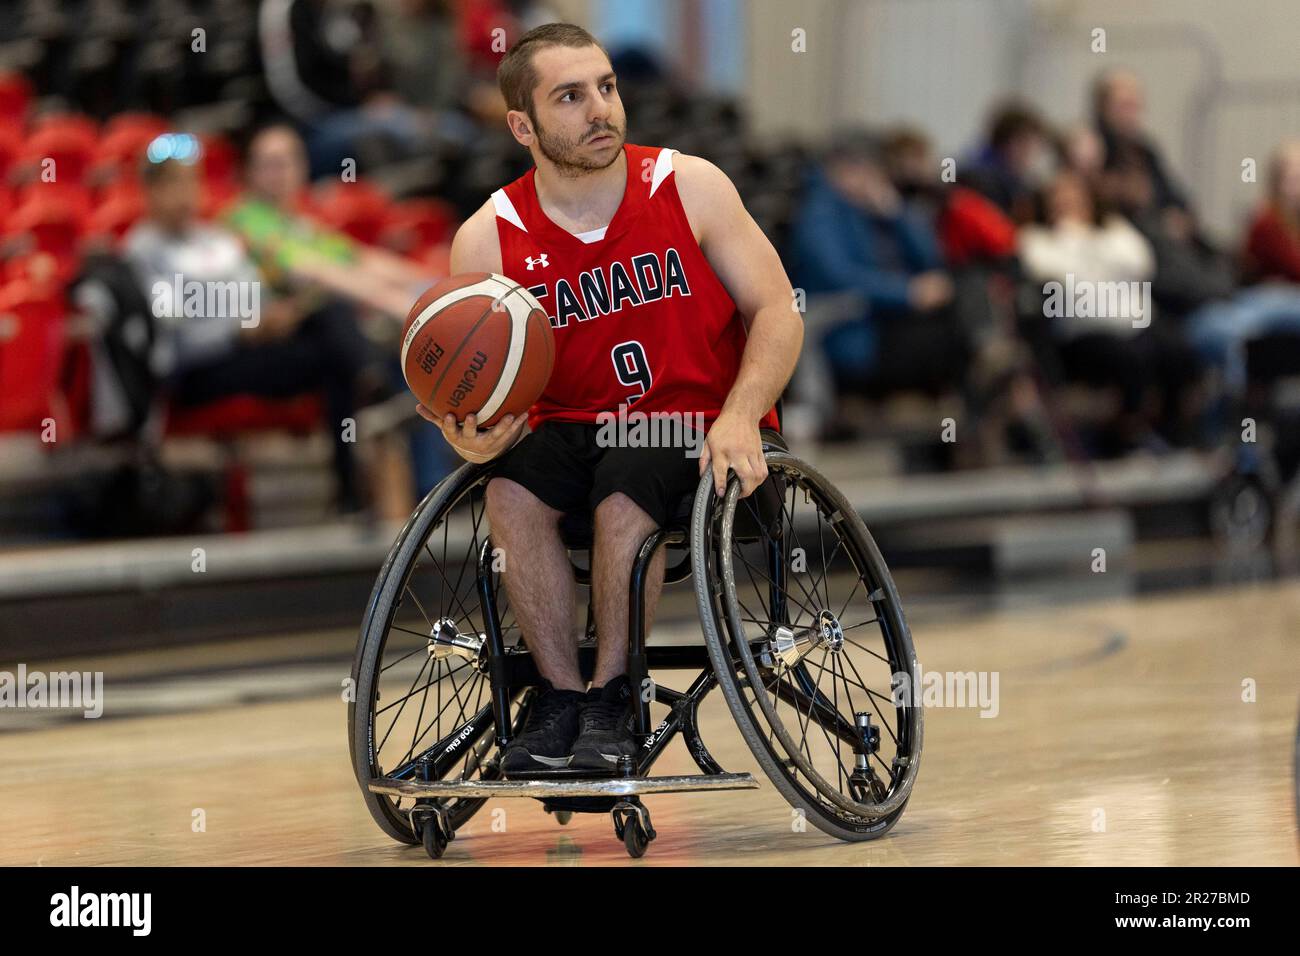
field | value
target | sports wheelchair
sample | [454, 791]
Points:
[803, 632]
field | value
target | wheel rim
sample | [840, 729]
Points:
[418, 699]
[824, 645]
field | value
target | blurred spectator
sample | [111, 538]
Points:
[1014, 162]
[325, 68]
[855, 235]
[284, 349]
[1084, 247]
[294, 250]
[1119, 109]
[1077, 238]
[1273, 244]
[1189, 271]
[1083, 151]
[296, 254]
[420, 43]
[971, 229]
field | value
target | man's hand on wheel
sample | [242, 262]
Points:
[472, 444]
[734, 442]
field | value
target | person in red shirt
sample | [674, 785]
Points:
[1273, 243]
[664, 298]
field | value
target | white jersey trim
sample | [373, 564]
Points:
[506, 209]
[663, 166]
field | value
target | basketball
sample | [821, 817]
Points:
[477, 343]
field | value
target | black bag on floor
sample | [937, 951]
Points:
[139, 498]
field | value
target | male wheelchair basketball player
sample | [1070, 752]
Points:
[661, 292]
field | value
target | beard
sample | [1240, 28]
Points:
[565, 151]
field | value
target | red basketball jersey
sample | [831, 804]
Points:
[639, 316]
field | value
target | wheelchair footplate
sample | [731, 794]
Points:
[554, 785]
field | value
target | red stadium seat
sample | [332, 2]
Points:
[15, 96]
[126, 188]
[81, 124]
[358, 209]
[118, 210]
[72, 197]
[416, 224]
[123, 145]
[11, 144]
[238, 415]
[50, 217]
[39, 268]
[31, 348]
[220, 160]
[217, 196]
[69, 141]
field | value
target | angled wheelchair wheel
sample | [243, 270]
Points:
[422, 707]
[807, 636]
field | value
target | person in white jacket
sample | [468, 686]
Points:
[1095, 270]
[1078, 249]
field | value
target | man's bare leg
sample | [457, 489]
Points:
[539, 578]
[621, 526]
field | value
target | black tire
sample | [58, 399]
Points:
[456, 501]
[635, 840]
[845, 809]
[435, 842]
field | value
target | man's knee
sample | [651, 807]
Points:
[619, 517]
[510, 504]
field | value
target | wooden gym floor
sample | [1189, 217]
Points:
[1121, 737]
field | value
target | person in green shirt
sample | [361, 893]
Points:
[295, 252]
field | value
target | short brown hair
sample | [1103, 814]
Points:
[516, 76]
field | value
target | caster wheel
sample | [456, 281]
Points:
[635, 839]
[632, 826]
[435, 843]
[562, 817]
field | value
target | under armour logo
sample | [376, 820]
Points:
[539, 261]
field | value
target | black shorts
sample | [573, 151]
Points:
[563, 465]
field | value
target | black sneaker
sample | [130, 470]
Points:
[547, 740]
[605, 732]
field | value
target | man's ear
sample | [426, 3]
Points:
[521, 127]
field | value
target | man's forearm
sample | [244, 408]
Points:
[775, 338]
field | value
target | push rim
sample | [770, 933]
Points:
[856, 642]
